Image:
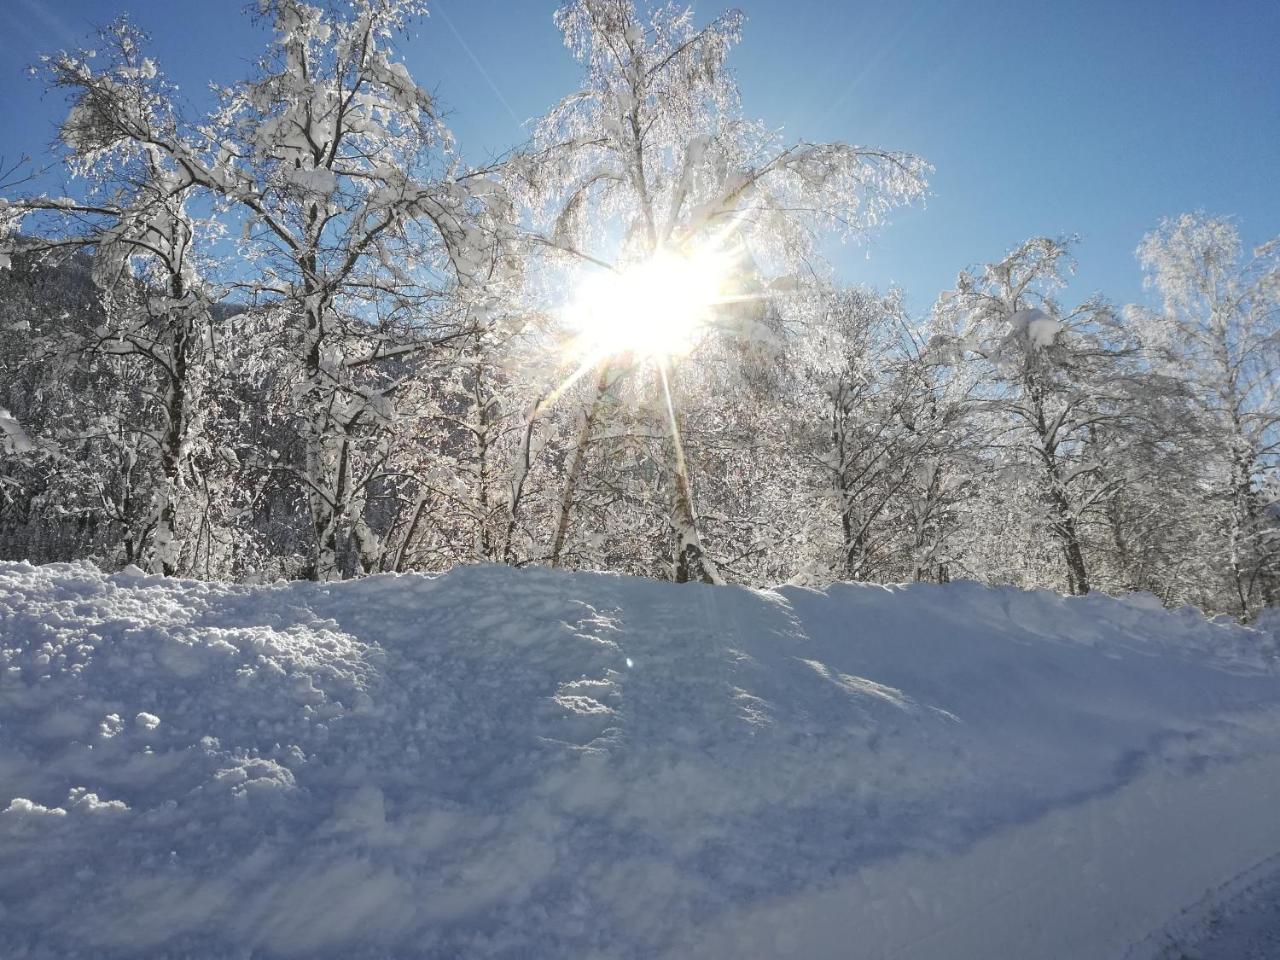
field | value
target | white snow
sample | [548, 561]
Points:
[503, 763]
[13, 439]
[1036, 326]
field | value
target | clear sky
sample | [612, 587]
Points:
[1093, 117]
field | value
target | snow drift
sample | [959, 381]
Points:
[499, 763]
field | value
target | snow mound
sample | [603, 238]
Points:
[1036, 327]
[500, 763]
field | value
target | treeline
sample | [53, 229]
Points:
[300, 337]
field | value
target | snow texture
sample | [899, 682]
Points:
[502, 763]
[13, 439]
[1036, 327]
[1239, 921]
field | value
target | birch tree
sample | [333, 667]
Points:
[653, 158]
[1219, 331]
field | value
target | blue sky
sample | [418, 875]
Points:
[1092, 117]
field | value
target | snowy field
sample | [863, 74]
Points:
[500, 763]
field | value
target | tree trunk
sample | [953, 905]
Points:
[515, 493]
[1065, 529]
[563, 514]
[691, 562]
[1078, 576]
[167, 549]
[324, 480]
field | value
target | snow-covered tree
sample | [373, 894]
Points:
[880, 423]
[652, 161]
[365, 225]
[154, 334]
[362, 234]
[1051, 377]
[1219, 331]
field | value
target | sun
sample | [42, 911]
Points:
[657, 308]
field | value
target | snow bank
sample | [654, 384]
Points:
[500, 763]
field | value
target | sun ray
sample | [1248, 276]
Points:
[582, 369]
[682, 473]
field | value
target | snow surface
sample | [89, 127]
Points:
[1240, 921]
[502, 763]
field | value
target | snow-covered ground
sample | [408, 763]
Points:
[501, 763]
[1240, 921]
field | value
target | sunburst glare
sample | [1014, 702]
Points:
[659, 307]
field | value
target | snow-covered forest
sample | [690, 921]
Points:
[299, 337]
